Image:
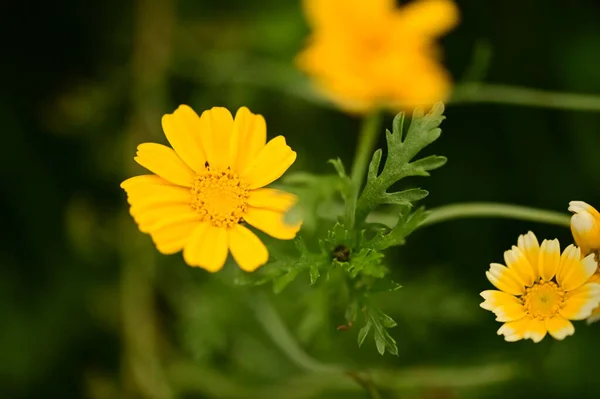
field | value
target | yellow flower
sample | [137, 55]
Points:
[541, 290]
[585, 226]
[364, 54]
[209, 185]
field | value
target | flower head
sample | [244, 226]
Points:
[207, 187]
[540, 290]
[366, 54]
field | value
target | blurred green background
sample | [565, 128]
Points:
[89, 309]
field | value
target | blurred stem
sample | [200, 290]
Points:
[367, 140]
[493, 209]
[515, 95]
[269, 319]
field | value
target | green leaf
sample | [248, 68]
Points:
[283, 269]
[407, 223]
[383, 285]
[378, 322]
[402, 148]
[362, 334]
[280, 283]
[366, 262]
[314, 274]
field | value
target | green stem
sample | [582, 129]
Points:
[274, 327]
[497, 210]
[515, 95]
[366, 142]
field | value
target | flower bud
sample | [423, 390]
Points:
[585, 226]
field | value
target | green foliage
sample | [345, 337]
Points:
[379, 323]
[352, 246]
[423, 130]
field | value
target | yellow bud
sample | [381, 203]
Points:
[585, 226]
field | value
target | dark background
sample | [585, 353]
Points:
[89, 309]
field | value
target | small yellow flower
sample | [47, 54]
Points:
[585, 226]
[541, 290]
[365, 54]
[209, 185]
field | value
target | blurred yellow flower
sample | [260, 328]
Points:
[585, 226]
[541, 290]
[367, 54]
[209, 185]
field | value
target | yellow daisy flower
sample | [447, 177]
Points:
[209, 185]
[541, 290]
[365, 54]
[585, 226]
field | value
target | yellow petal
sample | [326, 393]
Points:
[182, 129]
[275, 200]
[549, 259]
[517, 262]
[207, 248]
[514, 330]
[528, 244]
[575, 271]
[247, 249]
[216, 126]
[494, 298]
[173, 237]
[144, 180]
[586, 291]
[163, 161]
[580, 303]
[149, 195]
[505, 279]
[272, 223]
[536, 330]
[249, 137]
[594, 317]
[270, 163]
[328, 13]
[509, 312]
[149, 219]
[427, 17]
[559, 327]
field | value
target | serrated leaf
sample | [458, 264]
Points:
[423, 165]
[373, 171]
[397, 236]
[362, 334]
[367, 262]
[402, 148]
[406, 197]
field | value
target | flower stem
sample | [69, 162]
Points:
[515, 95]
[493, 209]
[476, 210]
[366, 142]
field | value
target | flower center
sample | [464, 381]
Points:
[543, 300]
[219, 197]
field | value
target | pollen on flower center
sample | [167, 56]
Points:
[543, 300]
[220, 197]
